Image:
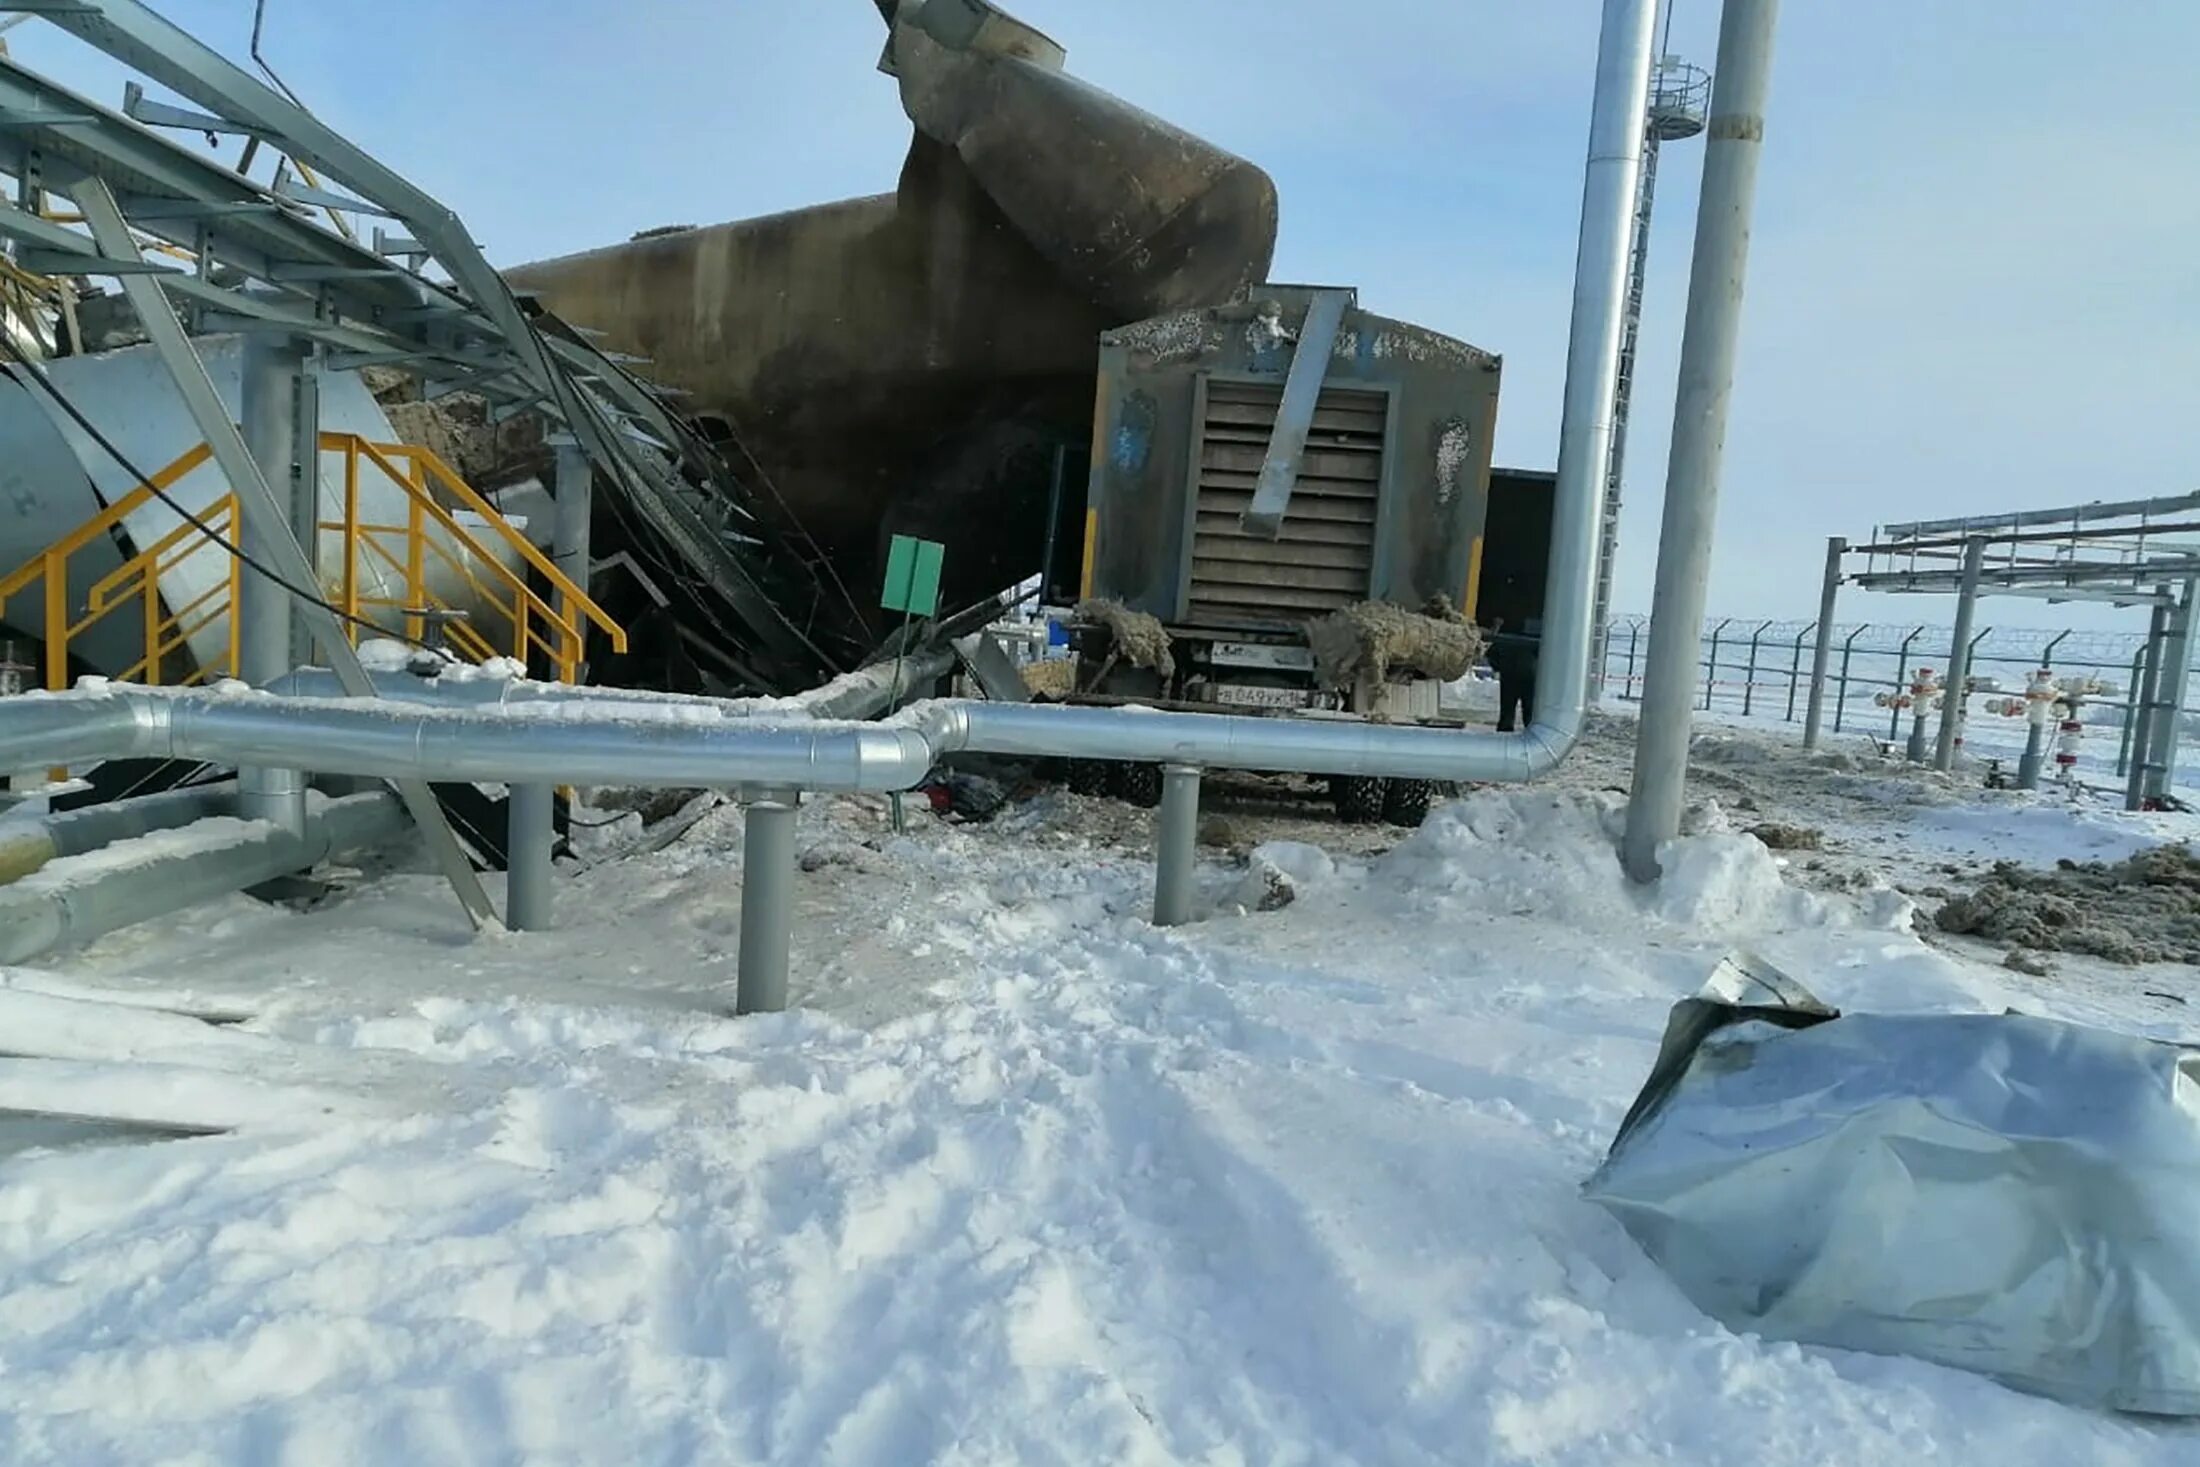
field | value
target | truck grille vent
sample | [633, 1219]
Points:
[1325, 556]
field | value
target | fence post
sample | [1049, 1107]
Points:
[1711, 665]
[1634, 633]
[2131, 705]
[1749, 679]
[1901, 680]
[1795, 666]
[1841, 686]
[2047, 653]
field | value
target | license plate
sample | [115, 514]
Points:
[1249, 697]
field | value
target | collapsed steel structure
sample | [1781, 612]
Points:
[534, 737]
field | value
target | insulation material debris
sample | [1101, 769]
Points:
[1364, 642]
[1138, 637]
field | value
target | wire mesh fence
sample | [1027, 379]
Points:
[1760, 668]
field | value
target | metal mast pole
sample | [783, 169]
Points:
[1610, 187]
[1739, 83]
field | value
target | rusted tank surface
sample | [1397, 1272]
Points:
[908, 363]
[1390, 492]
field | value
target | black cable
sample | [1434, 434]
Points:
[206, 531]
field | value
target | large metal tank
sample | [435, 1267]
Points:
[909, 363]
[54, 477]
[1389, 500]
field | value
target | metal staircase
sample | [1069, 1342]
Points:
[399, 573]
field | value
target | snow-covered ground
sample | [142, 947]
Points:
[1024, 1180]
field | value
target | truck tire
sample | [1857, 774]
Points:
[1359, 798]
[1136, 784]
[1087, 776]
[1406, 802]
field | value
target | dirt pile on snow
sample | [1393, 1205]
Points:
[1139, 638]
[1779, 837]
[2143, 909]
[1366, 641]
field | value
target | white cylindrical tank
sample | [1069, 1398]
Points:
[54, 477]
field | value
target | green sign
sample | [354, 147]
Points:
[913, 576]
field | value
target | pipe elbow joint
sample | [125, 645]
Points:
[891, 758]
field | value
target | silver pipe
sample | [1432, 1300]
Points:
[1708, 339]
[27, 845]
[530, 832]
[854, 695]
[86, 727]
[1952, 696]
[767, 903]
[1828, 592]
[45, 912]
[1176, 838]
[265, 646]
[1604, 255]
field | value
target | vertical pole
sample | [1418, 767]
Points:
[1054, 520]
[351, 546]
[1749, 676]
[1175, 836]
[767, 902]
[1711, 663]
[2131, 711]
[269, 421]
[1634, 635]
[1841, 684]
[1829, 590]
[305, 494]
[1700, 407]
[529, 835]
[1901, 681]
[569, 545]
[1795, 668]
[2141, 715]
[1959, 656]
[2170, 698]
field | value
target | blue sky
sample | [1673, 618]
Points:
[1973, 284]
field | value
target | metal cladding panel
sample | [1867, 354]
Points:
[1182, 423]
[1999, 1193]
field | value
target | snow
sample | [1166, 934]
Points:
[1024, 1179]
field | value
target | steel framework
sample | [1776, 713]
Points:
[2122, 552]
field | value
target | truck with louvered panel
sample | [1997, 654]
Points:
[1266, 469]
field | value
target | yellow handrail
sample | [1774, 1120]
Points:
[446, 476]
[554, 625]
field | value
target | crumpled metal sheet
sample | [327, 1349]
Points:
[2010, 1195]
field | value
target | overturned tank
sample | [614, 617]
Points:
[912, 363]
